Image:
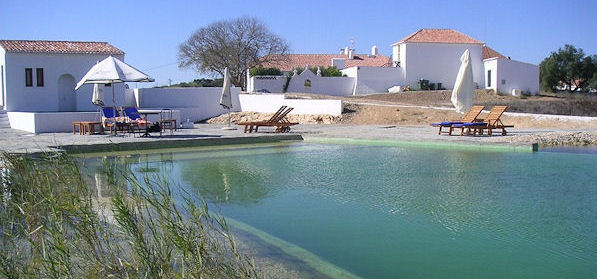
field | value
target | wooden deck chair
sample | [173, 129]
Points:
[251, 124]
[492, 121]
[277, 120]
[470, 116]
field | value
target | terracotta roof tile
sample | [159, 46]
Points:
[490, 53]
[438, 36]
[291, 61]
[59, 47]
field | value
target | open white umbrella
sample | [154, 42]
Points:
[463, 92]
[226, 99]
[110, 71]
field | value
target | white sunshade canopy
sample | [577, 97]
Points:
[464, 90]
[112, 70]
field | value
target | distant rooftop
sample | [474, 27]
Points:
[438, 36]
[292, 61]
[490, 53]
[37, 46]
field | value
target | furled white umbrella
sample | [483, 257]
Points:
[463, 92]
[110, 71]
[98, 95]
[226, 98]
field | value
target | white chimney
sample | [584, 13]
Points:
[346, 50]
[350, 54]
[374, 50]
[339, 63]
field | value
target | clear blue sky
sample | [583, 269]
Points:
[150, 31]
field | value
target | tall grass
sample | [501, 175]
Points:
[53, 225]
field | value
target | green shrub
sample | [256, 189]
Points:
[261, 71]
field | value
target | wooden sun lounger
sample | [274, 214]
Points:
[277, 120]
[470, 116]
[492, 121]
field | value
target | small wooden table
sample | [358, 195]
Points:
[87, 127]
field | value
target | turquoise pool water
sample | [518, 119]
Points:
[385, 212]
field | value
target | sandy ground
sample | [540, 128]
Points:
[422, 108]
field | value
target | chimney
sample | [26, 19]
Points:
[350, 54]
[346, 50]
[374, 50]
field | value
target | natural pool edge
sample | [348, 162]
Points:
[312, 260]
[206, 142]
[179, 143]
[428, 144]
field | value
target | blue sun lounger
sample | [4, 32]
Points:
[469, 117]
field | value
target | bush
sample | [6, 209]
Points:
[331, 71]
[261, 71]
[53, 225]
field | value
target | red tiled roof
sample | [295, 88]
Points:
[438, 36]
[291, 61]
[490, 53]
[59, 47]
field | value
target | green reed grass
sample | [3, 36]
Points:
[52, 225]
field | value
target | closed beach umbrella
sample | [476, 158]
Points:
[98, 95]
[112, 70]
[463, 92]
[226, 98]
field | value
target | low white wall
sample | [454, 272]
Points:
[48, 122]
[269, 103]
[273, 84]
[334, 86]
[375, 79]
[195, 104]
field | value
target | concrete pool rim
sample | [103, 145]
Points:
[206, 142]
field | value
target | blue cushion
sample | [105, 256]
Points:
[446, 123]
[470, 124]
[132, 113]
[109, 112]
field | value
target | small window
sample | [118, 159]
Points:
[39, 74]
[307, 83]
[489, 78]
[503, 81]
[28, 77]
[107, 84]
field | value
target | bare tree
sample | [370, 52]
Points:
[237, 44]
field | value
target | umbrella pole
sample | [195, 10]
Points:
[228, 127]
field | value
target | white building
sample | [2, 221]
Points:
[434, 55]
[429, 54]
[40, 76]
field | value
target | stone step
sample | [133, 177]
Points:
[4, 120]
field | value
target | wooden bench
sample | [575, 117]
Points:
[87, 127]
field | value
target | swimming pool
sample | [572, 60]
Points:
[389, 212]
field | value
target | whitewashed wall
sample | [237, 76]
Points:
[2, 77]
[48, 122]
[440, 63]
[195, 104]
[491, 65]
[333, 86]
[268, 103]
[517, 75]
[274, 84]
[45, 99]
[375, 79]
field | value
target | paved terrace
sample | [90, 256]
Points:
[15, 141]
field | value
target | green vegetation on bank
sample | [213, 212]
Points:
[54, 223]
[570, 70]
